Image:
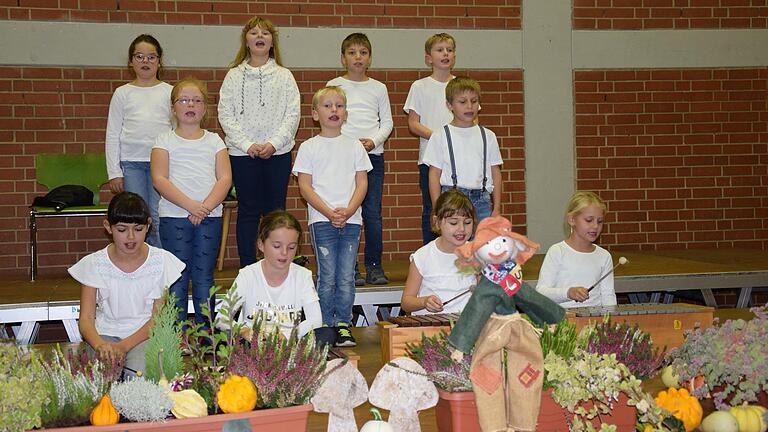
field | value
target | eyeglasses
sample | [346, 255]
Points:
[186, 101]
[139, 57]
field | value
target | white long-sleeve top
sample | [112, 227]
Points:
[565, 267]
[259, 105]
[370, 115]
[137, 115]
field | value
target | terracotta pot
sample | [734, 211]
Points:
[285, 419]
[622, 415]
[551, 414]
[456, 412]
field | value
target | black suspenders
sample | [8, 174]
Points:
[453, 159]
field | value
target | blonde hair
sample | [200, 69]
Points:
[244, 53]
[438, 37]
[276, 220]
[327, 90]
[192, 82]
[461, 84]
[356, 39]
[578, 202]
[451, 203]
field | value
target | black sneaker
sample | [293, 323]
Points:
[376, 276]
[345, 338]
[359, 281]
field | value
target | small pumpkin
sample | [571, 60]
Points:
[750, 418]
[377, 424]
[104, 413]
[237, 394]
[188, 404]
[682, 405]
[669, 378]
[720, 421]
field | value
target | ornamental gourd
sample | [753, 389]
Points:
[750, 418]
[237, 394]
[682, 405]
[104, 413]
[669, 378]
[720, 421]
[377, 424]
[188, 404]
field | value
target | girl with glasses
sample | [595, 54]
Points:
[138, 112]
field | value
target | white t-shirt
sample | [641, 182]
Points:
[370, 115]
[137, 115]
[333, 164]
[191, 168]
[427, 98]
[297, 292]
[259, 105]
[565, 267]
[441, 277]
[124, 300]
[468, 154]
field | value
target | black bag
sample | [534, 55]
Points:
[65, 196]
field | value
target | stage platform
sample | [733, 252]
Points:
[653, 276]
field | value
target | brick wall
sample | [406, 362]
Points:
[476, 14]
[680, 155]
[64, 110]
[668, 14]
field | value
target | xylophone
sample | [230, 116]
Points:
[399, 331]
[666, 323]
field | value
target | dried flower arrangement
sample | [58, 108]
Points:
[730, 357]
[141, 400]
[631, 344]
[22, 393]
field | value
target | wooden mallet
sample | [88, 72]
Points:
[622, 261]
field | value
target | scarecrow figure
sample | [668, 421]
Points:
[507, 400]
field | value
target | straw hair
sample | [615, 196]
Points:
[578, 202]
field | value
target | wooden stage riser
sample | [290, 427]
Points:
[666, 330]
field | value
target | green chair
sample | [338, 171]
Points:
[55, 169]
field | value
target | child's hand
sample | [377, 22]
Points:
[578, 294]
[267, 150]
[195, 220]
[367, 143]
[496, 211]
[255, 150]
[111, 351]
[116, 185]
[457, 356]
[433, 304]
[199, 210]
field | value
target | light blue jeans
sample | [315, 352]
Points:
[138, 179]
[196, 246]
[336, 253]
[480, 199]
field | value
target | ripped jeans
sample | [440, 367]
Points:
[336, 253]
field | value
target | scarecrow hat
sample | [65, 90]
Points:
[490, 228]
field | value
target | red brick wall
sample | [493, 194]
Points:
[477, 14]
[668, 14]
[680, 155]
[64, 110]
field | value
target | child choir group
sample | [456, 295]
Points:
[170, 177]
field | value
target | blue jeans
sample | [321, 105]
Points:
[480, 199]
[197, 247]
[138, 179]
[374, 244]
[261, 186]
[426, 205]
[335, 252]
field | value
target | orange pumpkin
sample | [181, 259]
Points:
[237, 394]
[104, 413]
[682, 405]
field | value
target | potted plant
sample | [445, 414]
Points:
[22, 394]
[225, 376]
[726, 361]
[630, 343]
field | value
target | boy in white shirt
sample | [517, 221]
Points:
[332, 170]
[369, 122]
[425, 106]
[464, 155]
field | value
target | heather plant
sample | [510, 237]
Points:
[73, 392]
[164, 335]
[286, 372]
[730, 357]
[631, 344]
[22, 393]
[81, 361]
[434, 355]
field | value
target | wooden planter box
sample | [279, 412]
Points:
[279, 419]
